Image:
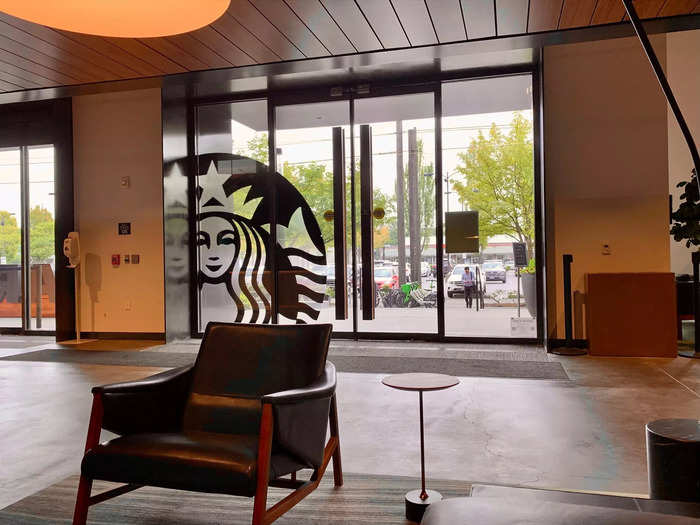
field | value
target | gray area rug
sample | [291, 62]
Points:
[343, 363]
[363, 499]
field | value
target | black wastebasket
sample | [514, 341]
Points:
[673, 459]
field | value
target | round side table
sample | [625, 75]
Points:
[418, 500]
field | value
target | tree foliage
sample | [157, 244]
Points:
[497, 180]
[10, 237]
[41, 236]
[315, 182]
[686, 219]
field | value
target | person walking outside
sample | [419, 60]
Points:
[468, 281]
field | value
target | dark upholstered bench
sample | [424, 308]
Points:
[497, 511]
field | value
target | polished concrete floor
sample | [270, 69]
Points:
[583, 434]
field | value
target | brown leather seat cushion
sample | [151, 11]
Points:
[199, 461]
[498, 511]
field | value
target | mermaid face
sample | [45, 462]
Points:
[218, 243]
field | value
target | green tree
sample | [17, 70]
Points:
[41, 235]
[257, 149]
[10, 237]
[497, 181]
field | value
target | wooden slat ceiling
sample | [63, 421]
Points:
[263, 31]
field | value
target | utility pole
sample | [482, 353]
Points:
[414, 226]
[400, 212]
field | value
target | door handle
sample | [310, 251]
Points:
[366, 223]
[338, 217]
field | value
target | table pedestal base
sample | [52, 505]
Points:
[415, 507]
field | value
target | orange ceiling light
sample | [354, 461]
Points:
[119, 18]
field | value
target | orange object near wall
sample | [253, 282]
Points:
[631, 314]
[48, 308]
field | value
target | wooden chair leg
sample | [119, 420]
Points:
[82, 501]
[263, 466]
[337, 464]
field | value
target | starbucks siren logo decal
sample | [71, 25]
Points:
[234, 195]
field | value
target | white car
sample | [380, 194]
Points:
[455, 284]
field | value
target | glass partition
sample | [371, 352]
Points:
[488, 167]
[234, 269]
[10, 239]
[42, 259]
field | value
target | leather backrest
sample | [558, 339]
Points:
[239, 363]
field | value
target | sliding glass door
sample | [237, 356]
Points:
[27, 239]
[338, 210]
[395, 150]
[10, 238]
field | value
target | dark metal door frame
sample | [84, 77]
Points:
[25, 259]
[434, 86]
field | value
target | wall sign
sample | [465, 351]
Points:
[462, 232]
[124, 228]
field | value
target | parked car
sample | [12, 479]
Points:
[386, 276]
[493, 271]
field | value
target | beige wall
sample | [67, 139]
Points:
[605, 164]
[683, 71]
[116, 135]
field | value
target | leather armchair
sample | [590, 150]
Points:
[253, 408]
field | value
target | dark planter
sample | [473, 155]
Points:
[529, 284]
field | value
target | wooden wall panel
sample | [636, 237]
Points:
[286, 21]
[479, 18]
[608, 11]
[195, 48]
[174, 53]
[382, 17]
[354, 24]
[511, 17]
[678, 7]
[544, 15]
[416, 21]
[18, 80]
[38, 69]
[315, 16]
[44, 60]
[132, 52]
[447, 19]
[224, 47]
[257, 24]
[232, 30]
[13, 70]
[70, 46]
[577, 13]
[265, 31]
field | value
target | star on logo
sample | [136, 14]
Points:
[211, 189]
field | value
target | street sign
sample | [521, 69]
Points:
[520, 254]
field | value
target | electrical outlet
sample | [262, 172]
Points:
[135, 258]
[606, 250]
[127, 306]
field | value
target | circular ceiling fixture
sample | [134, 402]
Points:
[119, 18]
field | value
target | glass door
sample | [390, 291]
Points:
[314, 214]
[10, 239]
[395, 152]
[27, 239]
